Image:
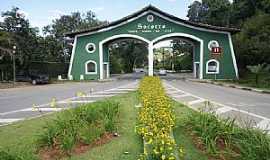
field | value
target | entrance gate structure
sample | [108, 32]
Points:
[90, 54]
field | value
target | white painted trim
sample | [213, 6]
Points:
[151, 59]
[112, 38]
[187, 36]
[157, 14]
[86, 68]
[212, 60]
[108, 72]
[72, 56]
[87, 45]
[233, 56]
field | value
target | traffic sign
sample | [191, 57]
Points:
[216, 50]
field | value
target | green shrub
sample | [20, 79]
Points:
[253, 144]
[245, 143]
[84, 123]
[89, 133]
[211, 129]
[110, 114]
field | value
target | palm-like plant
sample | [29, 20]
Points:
[258, 69]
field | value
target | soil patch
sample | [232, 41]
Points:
[80, 148]
[224, 153]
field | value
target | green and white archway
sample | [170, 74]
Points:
[151, 26]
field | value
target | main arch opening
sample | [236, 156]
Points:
[125, 54]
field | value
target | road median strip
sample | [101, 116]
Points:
[156, 121]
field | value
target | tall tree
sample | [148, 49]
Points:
[252, 43]
[54, 40]
[196, 11]
[213, 12]
[70, 23]
[244, 9]
[21, 34]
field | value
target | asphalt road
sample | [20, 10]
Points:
[249, 101]
[21, 98]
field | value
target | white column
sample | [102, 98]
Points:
[150, 59]
[100, 61]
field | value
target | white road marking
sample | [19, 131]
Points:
[98, 95]
[264, 125]
[181, 96]
[174, 92]
[113, 92]
[44, 109]
[10, 120]
[74, 101]
[223, 110]
[126, 89]
[15, 111]
[196, 101]
[219, 104]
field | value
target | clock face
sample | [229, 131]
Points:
[150, 18]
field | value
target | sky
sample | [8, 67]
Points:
[41, 12]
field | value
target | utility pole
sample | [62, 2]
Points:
[163, 58]
[14, 65]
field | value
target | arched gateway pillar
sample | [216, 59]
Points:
[150, 59]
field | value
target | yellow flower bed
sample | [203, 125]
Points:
[156, 121]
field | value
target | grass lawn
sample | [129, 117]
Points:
[21, 137]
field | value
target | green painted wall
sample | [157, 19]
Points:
[196, 52]
[81, 56]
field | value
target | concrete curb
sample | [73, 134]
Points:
[232, 86]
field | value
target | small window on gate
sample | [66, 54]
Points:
[90, 47]
[91, 67]
[212, 67]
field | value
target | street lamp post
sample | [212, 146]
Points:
[14, 65]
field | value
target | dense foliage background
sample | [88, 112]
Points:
[251, 44]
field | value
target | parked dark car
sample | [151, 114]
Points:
[34, 78]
